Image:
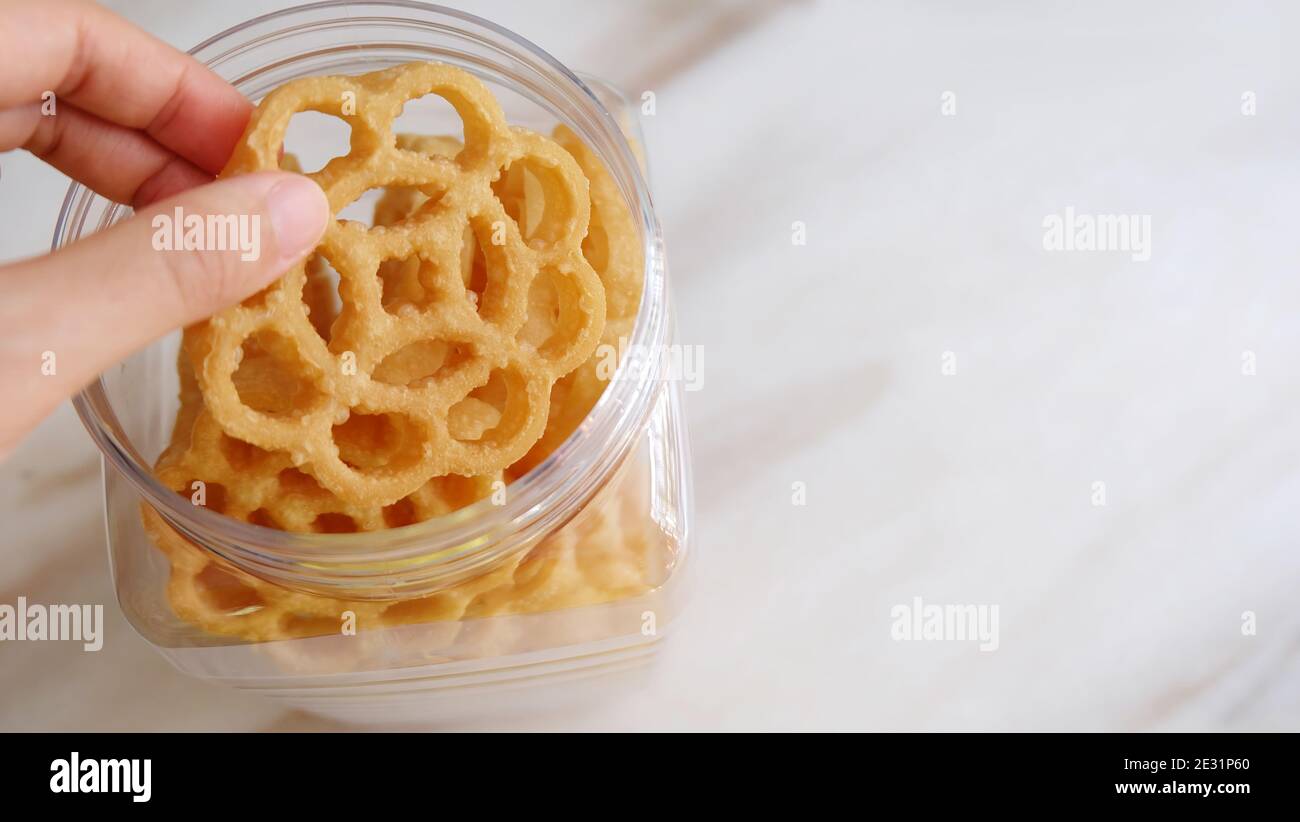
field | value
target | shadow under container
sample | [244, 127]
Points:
[560, 595]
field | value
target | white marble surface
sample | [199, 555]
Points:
[823, 366]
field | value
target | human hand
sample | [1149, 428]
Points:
[143, 124]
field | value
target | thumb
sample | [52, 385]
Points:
[70, 315]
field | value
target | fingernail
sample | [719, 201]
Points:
[299, 214]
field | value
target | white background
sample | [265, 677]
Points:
[823, 366]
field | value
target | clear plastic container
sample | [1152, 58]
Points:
[489, 610]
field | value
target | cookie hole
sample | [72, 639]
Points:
[425, 609]
[240, 455]
[469, 419]
[305, 625]
[536, 199]
[418, 282]
[473, 269]
[400, 513]
[415, 364]
[397, 204]
[294, 481]
[365, 207]
[332, 523]
[511, 411]
[223, 592]
[555, 317]
[212, 497]
[459, 492]
[312, 139]
[595, 248]
[378, 441]
[271, 377]
[320, 294]
[433, 115]
[482, 415]
[403, 284]
[489, 268]
[543, 318]
[263, 518]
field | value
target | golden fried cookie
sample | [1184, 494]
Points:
[613, 247]
[263, 487]
[457, 338]
[609, 551]
[331, 393]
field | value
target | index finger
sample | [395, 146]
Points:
[102, 64]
